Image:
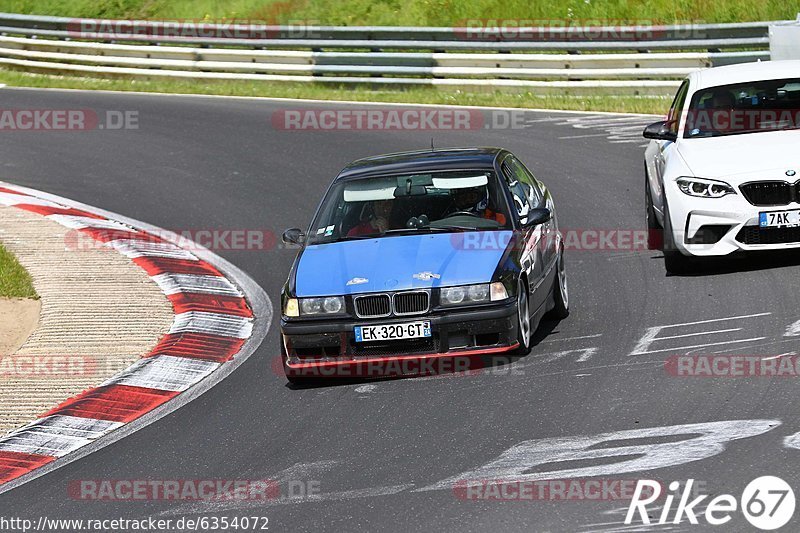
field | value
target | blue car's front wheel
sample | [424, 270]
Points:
[523, 319]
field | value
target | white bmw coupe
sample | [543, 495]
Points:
[721, 172]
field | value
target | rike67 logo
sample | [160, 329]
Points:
[767, 503]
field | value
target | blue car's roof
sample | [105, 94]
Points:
[421, 161]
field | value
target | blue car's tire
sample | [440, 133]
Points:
[524, 332]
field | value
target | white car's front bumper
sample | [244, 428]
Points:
[693, 220]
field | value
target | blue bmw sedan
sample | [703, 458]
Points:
[422, 257]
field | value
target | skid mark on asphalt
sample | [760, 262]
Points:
[620, 526]
[627, 130]
[515, 369]
[243, 505]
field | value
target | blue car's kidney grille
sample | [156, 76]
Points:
[373, 305]
[410, 303]
[398, 304]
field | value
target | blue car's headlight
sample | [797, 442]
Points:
[466, 294]
[329, 305]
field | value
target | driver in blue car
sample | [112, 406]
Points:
[475, 200]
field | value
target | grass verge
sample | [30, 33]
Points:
[420, 95]
[15, 282]
[420, 12]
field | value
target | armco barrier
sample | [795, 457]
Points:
[650, 61]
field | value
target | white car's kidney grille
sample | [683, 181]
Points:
[770, 192]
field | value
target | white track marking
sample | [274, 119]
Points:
[619, 129]
[793, 330]
[712, 332]
[366, 388]
[715, 320]
[651, 334]
[792, 441]
[703, 441]
[702, 345]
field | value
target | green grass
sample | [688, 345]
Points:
[15, 282]
[520, 99]
[417, 12]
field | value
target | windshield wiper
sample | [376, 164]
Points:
[429, 228]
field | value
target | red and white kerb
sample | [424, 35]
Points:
[212, 321]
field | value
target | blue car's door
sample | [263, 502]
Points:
[534, 254]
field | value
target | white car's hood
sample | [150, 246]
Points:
[737, 158]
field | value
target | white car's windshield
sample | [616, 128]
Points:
[752, 107]
[441, 201]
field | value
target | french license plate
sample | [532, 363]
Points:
[779, 219]
[386, 332]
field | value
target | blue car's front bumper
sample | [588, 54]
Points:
[310, 344]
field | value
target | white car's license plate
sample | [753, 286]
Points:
[778, 219]
[385, 332]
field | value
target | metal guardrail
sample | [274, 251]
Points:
[62, 45]
[559, 33]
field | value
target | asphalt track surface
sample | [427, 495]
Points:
[205, 163]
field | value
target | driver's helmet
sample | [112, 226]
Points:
[472, 198]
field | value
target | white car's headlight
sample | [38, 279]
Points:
[704, 188]
[465, 294]
[330, 305]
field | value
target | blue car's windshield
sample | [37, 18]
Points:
[407, 203]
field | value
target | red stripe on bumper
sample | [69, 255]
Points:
[165, 265]
[118, 403]
[198, 346]
[46, 210]
[16, 464]
[183, 302]
[465, 353]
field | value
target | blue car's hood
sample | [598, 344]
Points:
[399, 263]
